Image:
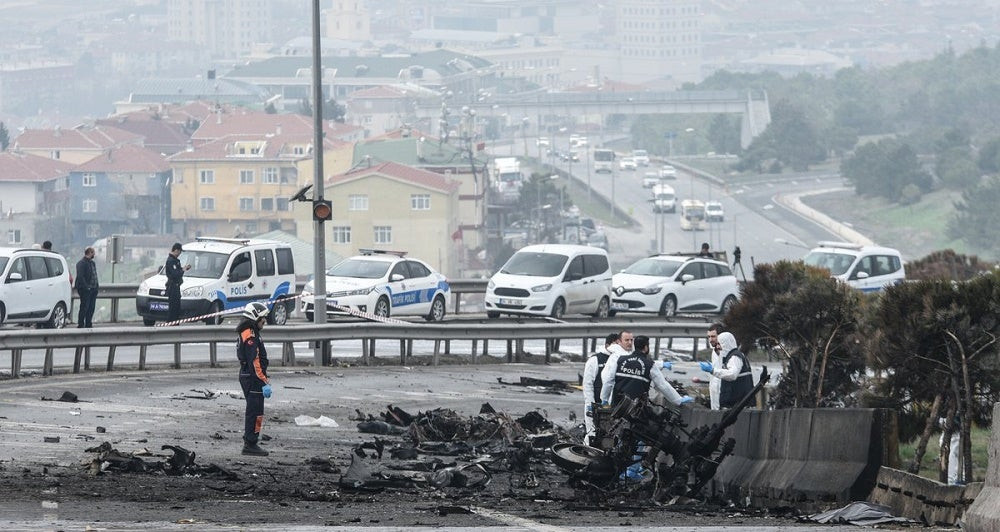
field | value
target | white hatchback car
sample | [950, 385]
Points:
[382, 283]
[626, 163]
[36, 287]
[714, 211]
[668, 284]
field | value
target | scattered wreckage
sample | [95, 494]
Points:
[642, 446]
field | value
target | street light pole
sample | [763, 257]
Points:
[321, 354]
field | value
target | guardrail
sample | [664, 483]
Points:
[119, 291]
[513, 334]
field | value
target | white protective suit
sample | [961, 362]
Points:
[589, 376]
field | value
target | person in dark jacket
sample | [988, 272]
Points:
[630, 376]
[253, 374]
[735, 373]
[86, 287]
[175, 276]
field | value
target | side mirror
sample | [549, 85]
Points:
[862, 275]
[573, 277]
[687, 277]
[15, 276]
[396, 277]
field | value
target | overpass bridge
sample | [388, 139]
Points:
[551, 107]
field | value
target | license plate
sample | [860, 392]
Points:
[158, 305]
[330, 303]
[619, 306]
[509, 301]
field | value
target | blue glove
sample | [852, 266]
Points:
[266, 390]
[707, 366]
[668, 365]
[687, 399]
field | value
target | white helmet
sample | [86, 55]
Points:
[255, 311]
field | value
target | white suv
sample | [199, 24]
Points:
[382, 283]
[668, 284]
[36, 287]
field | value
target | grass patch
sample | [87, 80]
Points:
[929, 465]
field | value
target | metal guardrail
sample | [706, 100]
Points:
[116, 292]
[513, 334]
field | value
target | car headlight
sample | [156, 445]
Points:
[194, 291]
[490, 285]
[360, 291]
[650, 290]
[143, 289]
[542, 288]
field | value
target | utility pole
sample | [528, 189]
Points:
[321, 353]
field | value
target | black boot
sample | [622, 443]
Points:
[253, 449]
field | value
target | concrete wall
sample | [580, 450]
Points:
[922, 499]
[814, 459]
[984, 514]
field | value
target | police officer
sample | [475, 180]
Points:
[175, 276]
[253, 374]
[632, 375]
[736, 377]
[592, 380]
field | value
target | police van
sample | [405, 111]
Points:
[225, 274]
[867, 268]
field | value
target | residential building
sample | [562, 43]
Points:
[32, 200]
[348, 20]
[393, 207]
[387, 108]
[159, 133]
[659, 39]
[220, 92]
[76, 145]
[124, 191]
[228, 28]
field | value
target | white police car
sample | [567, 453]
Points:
[382, 283]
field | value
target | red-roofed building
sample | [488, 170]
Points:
[76, 145]
[124, 191]
[159, 135]
[228, 122]
[392, 206]
[33, 192]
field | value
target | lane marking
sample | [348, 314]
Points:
[513, 520]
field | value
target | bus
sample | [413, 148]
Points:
[693, 215]
[603, 160]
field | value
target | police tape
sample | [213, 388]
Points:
[283, 299]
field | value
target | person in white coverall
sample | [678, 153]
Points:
[733, 371]
[592, 380]
[714, 383]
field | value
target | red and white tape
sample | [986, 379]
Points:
[366, 315]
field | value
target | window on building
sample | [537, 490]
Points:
[89, 180]
[206, 177]
[420, 202]
[251, 227]
[207, 204]
[270, 176]
[342, 234]
[246, 177]
[246, 204]
[357, 202]
[267, 204]
[93, 230]
[13, 236]
[281, 204]
[383, 234]
[89, 205]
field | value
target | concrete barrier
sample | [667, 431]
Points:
[813, 459]
[984, 514]
[923, 499]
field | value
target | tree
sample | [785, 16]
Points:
[4, 137]
[790, 139]
[977, 217]
[813, 322]
[885, 168]
[947, 264]
[724, 134]
[989, 157]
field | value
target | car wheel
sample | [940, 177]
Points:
[492, 315]
[148, 322]
[558, 309]
[727, 305]
[58, 319]
[669, 307]
[574, 457]
[603, 309]
[437, 310]
[278, 314]
[216, 318]
[382, 308]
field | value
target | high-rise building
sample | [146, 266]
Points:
[227, 28]
[659, 39]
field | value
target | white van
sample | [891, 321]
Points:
[35, 287]
[664, 198]
[867, 268]
[552, 280]
[225, 274]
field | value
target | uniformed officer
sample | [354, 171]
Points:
[253, 374]
[632, 376]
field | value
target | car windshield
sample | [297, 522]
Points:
[653, 267]
[535, 264]
[359, 268]
[3, 263]
[837, 263]
[204, 264]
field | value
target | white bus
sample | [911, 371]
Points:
[693, 215]
[603, 160]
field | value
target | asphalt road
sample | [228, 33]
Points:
[47, 481]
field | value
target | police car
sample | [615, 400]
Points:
[381, 283]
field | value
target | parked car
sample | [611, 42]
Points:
[225, 274]
[668, 172]
[598, 239]
[641, 157]
[551, 280]
[867, 268]
[626, 163]
[542, 141]
[650, 180]
[668, 284]
[382, 283]
[714, 211]
[37, 287]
